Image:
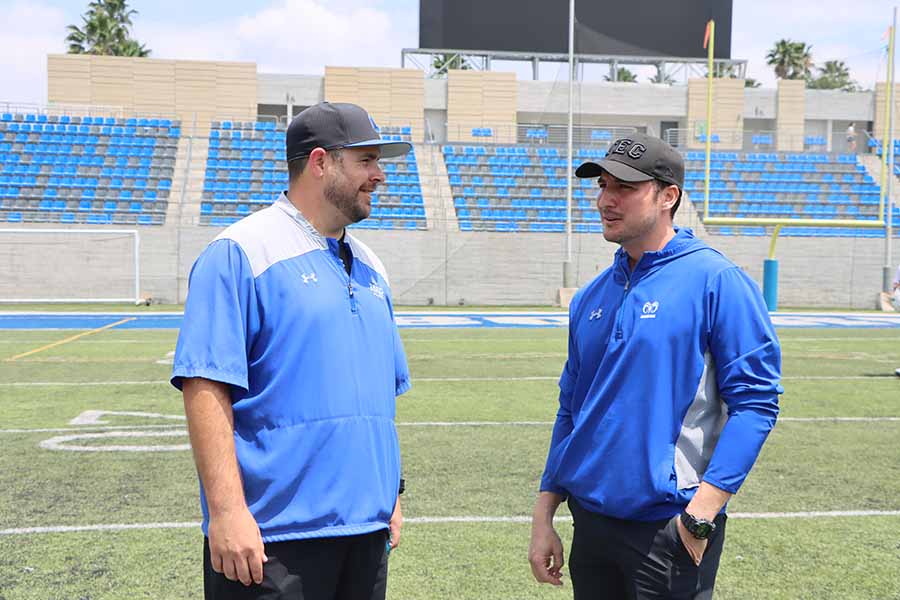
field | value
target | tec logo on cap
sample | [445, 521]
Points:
[638, 157]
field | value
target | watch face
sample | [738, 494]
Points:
[699, 528]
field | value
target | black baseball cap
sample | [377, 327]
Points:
[638, 157]
[333, 125]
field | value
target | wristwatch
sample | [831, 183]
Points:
[699, 528]
[402, 486]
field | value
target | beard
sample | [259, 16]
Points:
[346, 199]
[624, 232]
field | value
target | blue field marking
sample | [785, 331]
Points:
[429, 320]
[88, 321]
[836, 320]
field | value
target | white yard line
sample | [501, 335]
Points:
[839, 377]
[886, 376]
[888, 337]
[473, 423]
[93, 428]
[839, 419]
[85, 342]
[86, 361]
[439, 520]
[90, 428]
[78, 383]
[514, 378]
[108, 527]
[488, 355]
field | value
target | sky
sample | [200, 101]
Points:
[302, 36]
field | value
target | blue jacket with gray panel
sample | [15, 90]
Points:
[672, 378]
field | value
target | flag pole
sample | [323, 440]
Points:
[568, 275]
[888, 155]
[709, 41]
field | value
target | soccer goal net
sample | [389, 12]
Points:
[69, 265]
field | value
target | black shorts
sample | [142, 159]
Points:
[339, 568]
[638, 560]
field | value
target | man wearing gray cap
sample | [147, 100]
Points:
[670, 389]
[289, 361]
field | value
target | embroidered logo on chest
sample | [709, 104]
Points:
[596, 314]
[376, 290]
[650, 309]
[309, 278]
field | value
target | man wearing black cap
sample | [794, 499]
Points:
[290, 361]
[668, 393]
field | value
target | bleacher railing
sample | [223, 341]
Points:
[537, 134]
[75, 110]
[748, 140]
[693, 138]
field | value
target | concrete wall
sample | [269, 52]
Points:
[791, 121]
[881, 93]
[728, 107]
[394, 97]
[300, 90]
[840, 106]
[602, 99]
[434, 266]
[760, 103]
[631, 99]
[194, 91]
[477, 99]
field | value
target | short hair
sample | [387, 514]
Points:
[298, 165]
[660, 186]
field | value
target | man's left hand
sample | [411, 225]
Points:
[706, 504]
[396, 524]
[695, 547]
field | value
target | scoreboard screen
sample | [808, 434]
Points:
[665, 28]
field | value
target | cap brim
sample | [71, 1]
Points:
[389, 149]
[614, 168]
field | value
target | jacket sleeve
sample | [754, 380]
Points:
[221, 318]
[747, 356]
[563, 425]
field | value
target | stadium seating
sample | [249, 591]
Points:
[245, 171]
[785, 185]
[523, 188]
[519, 188]
[94, 170]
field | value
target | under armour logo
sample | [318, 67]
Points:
[307, 277]
[596, 314]
[650, 309]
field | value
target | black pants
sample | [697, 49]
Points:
[637, 560]
[339, 568]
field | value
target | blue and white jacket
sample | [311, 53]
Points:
[672, 378]
[314, 363]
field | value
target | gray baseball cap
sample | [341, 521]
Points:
[638, 157]
[336, 125]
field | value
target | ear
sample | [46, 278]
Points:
[669, 197]
[317, 161]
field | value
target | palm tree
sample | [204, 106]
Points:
[106, 30]
[662, 77]
[444, 62]
[833, 76]
[622, 74]
[791, 60]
